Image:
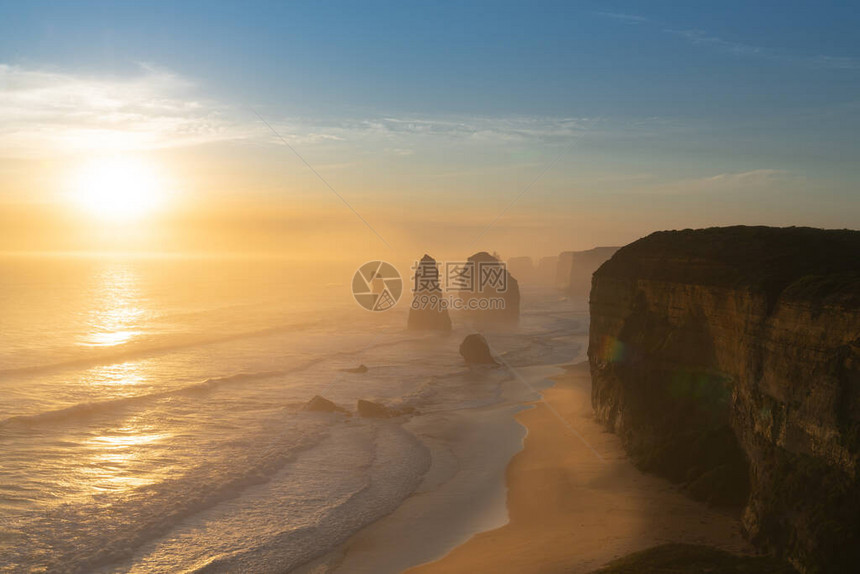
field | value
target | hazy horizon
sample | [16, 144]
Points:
[222, 350]
[524, 130]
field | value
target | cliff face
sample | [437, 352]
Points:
[728, 359]
[575, 268]
[583, 264]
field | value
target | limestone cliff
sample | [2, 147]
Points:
[728, 359]
[581, 265]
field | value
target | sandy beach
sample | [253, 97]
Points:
[576, 502]
[573, 501]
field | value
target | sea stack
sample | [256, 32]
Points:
[475, 350]
[728, 359]
[429, 311]
[492, 297]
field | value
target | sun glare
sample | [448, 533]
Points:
[118, 188]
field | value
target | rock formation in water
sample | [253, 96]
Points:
[322, 405]
[476, 351]
[492, 297]
[728, 359]
[575, 268]
[428, 311]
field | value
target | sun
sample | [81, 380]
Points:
[118, 188]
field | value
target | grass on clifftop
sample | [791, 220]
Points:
[693, 559]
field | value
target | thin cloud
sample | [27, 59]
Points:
[400, 133]
[740, 49]
[833, 62]
[53, 112]
[756, 176]
[756, 180]
[633, 18]
[704, 39]
[699, 38]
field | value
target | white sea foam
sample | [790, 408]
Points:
[199, 459]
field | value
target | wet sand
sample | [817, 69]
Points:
[575, 501]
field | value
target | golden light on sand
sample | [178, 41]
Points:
[118, 188]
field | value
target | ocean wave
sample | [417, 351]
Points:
[81, 537]
[257, 476]
[90, 409]
[86, 410]
[397, 462]
[142, 350]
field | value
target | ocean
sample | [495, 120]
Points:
[151, 418]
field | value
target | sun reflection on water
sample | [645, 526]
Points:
[119, 378]
[126, 457]
[115, 459]
[118, 307]
[110, 339]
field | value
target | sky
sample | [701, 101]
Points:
[329, 129]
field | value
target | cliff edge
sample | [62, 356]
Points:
[728, 360]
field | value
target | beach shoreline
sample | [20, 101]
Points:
[576, 502]
[572, 499]
[463, 493]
